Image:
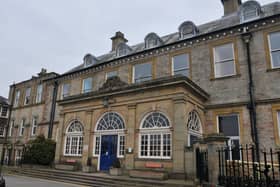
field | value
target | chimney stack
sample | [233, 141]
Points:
[117, 39]
[230, 6]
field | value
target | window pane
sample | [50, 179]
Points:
[274, 40]
[228, 125]
[144, 145]
[27, 96]
[250, 14]
[121, 146]
[39, 93]
[17, 97]
[87, 85]
[97, 145]
[278, 119]
[142, 72]
[66, 90]
[224, 52]
[275, 59]
[166, 145]
[111, 74]
[181, 64]
[224, 68]
[4, 111]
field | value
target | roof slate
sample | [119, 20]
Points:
[4, 101]
[222, 23]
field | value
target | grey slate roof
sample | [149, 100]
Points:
[4, 101]
[222, 23]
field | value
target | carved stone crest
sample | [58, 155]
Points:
[113, 83]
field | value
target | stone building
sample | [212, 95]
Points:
[145, 103]
[31, 115]
[4, 112]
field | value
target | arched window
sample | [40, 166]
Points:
[111, 123]
[194, 127]
[187, 30]
[152, 40]
[123, 49]
[74, 139]
[249, 10]
[155, 137]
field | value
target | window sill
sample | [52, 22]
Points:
[273, 69]
[154, 159]
[225, 77]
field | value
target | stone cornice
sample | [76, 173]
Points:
[153, 84]
[180, 44]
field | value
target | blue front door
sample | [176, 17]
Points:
[108, 154]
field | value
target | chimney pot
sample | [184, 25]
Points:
[230, 6]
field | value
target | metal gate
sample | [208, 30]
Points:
[202, 165]
[247, 171]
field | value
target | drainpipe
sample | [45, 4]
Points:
[52, 115]
[10, 107]
[246, 37]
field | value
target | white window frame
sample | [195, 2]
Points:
[243, 20]
[95, 143]
[155, 131]
[34, 119]
[21, 128]
[62, 90]
[1, 110]
[71, 135]
[11, 127]
[3, 132]
[150, 132]
[27, 98]
[17, 97]
[187, 68]
[224, 60]
[39, 93]
[133, 72]
[231, 138]
[83, 86]
[271, 51]
[106, 76]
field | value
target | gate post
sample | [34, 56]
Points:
[213, 143]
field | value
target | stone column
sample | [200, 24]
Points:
[214, 142]
[179, 135]
[130, 137]
[87, 128]
[59, 146]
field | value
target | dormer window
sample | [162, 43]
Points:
[250, 11]
[123, 49]
[152, 40]
[89, 60]
[187, 30]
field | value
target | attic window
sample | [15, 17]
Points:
[89, 60]
[250, 11]
[123, 49]
[152, 40]
[187, 30]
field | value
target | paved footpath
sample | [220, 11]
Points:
[20, 181]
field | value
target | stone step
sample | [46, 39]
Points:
[93, 180]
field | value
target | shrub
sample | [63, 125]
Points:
[40, 151]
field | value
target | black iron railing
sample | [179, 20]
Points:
[238, 167]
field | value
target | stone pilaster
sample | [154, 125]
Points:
[87, 131]
[130, 137]
[179, 134]
[214, 142]
[59, 146]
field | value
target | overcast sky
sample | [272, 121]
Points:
[56, 34]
